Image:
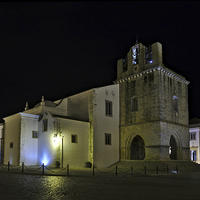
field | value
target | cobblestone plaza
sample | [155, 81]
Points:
[14, 186]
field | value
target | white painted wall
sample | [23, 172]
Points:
[1, 143]
[28, 145]
[194, 144]
[106, 155]
[76, 106]
[12, 134]
[50, 149]
[75, 154]
[47, 150]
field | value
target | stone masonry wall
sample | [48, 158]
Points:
[155, 91]
[170, 87]
[146, 88]
[163, 106]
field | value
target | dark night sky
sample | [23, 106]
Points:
[60, 49]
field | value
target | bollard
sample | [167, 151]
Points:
[116, 170]
[157, 169]
[8, 165]
[93, 170]
[43, 168]
[67, 169]
[22, 167]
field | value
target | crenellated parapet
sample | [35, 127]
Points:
[139, 58]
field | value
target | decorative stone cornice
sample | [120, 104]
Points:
[171, 74]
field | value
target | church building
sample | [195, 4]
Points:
[142, 116]
[153, 107]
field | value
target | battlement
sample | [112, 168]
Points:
[138, 59]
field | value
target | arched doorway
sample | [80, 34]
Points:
[173, 149]
[193, 155]
[137, 150]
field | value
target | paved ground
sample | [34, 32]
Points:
[83, 185]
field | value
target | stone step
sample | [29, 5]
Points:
[182, 166]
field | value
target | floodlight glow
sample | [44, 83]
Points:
[151, 61]
[45, 160]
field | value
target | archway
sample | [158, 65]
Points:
[137, 150]
[193, 155]
[173, 149]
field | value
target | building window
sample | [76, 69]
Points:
[74, 139]
[175, 103]
[107, 139]
[45, 124]
[109, 108]
[193, 136]
[134, 104]
[34, 134]
[11, 144]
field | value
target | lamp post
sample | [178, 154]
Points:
[58, 130]
[62, 150]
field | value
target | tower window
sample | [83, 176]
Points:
[135, 54]
[175, 103]
[45, 125]
[107, 138]
[11, 145]
[109, 108]
[149, 54]
[134, 104]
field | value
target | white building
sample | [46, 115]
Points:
[79, 130]
[194, 140]
[1, 142]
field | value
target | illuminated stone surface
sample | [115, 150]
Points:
[157, 118]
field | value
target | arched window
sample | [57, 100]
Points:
[175, 104]
[173, 148]
[134, 104]
[135, 54]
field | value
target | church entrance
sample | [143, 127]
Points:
[173, 149]
[137, 149]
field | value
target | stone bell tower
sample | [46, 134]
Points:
[153, 107]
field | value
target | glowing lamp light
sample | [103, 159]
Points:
[54, 136]
[151, 61]
[55, 139]
[45, 160]
[170, 150]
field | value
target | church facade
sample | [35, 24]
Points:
[142, 116]
[153, 107]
